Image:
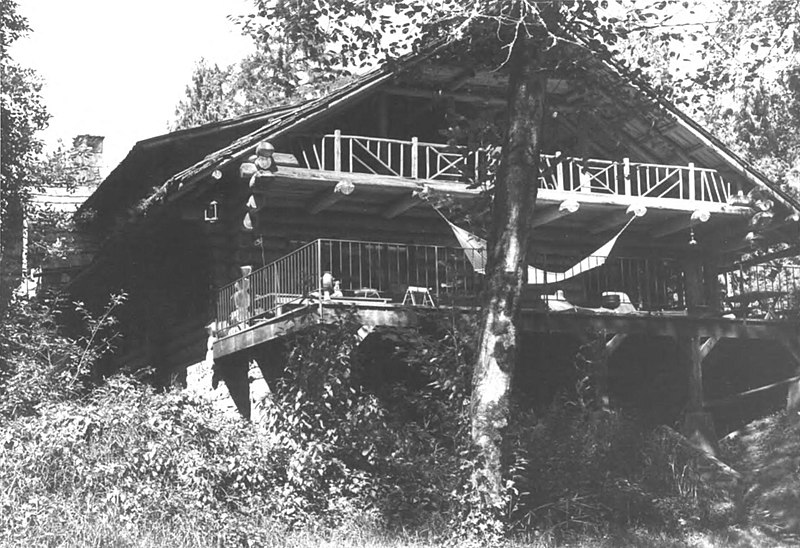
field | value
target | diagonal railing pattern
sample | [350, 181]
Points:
[415, 159]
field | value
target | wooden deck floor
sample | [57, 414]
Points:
[576, 320]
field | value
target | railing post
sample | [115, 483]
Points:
[626, 176]
[337, 150]
[559, 171]
[414, 158]
[319, 276]
[691, 181]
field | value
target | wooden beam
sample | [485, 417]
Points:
[458, 97]
[681, 222]
[707, 347]
[462, 78]
[618, 218]
[614, 220]
[323, 200]
[614, 343]
[285, 159]
[549, 215]
[261, 182]
[793, 392]
[597, 145]
[401, 206]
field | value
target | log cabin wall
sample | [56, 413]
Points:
[166, 273]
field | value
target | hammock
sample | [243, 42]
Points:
[475, 250]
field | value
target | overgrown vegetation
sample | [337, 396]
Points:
[359, 443]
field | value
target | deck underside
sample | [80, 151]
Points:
[576, 320]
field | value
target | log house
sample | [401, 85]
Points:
[262, 224]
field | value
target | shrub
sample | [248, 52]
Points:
[39, 364]
[394, 449]
[768, 452]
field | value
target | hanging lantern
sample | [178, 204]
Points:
[212, 212]
[216, 174]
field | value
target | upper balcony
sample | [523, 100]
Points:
[424, 161]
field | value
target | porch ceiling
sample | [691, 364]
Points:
[667, 221]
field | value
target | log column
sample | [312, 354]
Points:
[698, 425]
[695, 293]
[793, 393]
[234, 371]
[711, 281]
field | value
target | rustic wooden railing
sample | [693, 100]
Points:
[415, 159]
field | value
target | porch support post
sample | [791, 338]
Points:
[793, 393]
[233, 370]
[600, 350]
[698, 425]
[604, 351]
[711, 280]
[693, 278]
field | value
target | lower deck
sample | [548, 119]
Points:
[552, 319]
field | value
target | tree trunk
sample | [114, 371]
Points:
[515, 195]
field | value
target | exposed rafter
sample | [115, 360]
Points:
[458, 97]
[681, 222]
[400, 206]
[614, 220]
[549, 215]
[323, 200]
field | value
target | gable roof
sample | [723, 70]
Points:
[241, 135]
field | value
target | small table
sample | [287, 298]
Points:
[423, 293]
[366, 293]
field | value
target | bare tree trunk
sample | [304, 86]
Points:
[515, 196]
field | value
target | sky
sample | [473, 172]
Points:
[119, 69]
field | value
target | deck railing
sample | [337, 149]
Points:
[415, 159]
[412, 159]
[381, 273]
[762, 291]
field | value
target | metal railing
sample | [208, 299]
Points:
[418, 160]
[286, 282]
[361, 272]
[769, 291]
[369, 273]
[649, 284]
[381, 273]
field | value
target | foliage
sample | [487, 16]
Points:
[250, 85]
[22, 110]
[22, 114]
[578, 473]
[395, 449]
[358, 445]
[39, 364]
[736, 65]
[770, 450]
